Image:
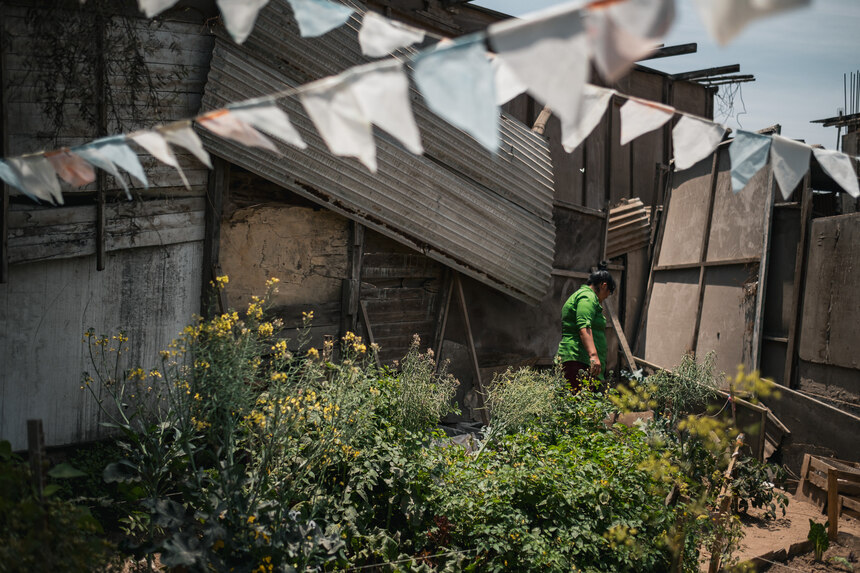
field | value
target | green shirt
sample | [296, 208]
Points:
[582, 310]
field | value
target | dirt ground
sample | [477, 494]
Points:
[763, 537]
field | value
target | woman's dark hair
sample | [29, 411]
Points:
[601, 275]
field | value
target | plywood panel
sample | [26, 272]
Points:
[578, 238]
[830, 309]
[736, 228]
[46, 307]
[687, 215]
[671, 317]
[728, 306]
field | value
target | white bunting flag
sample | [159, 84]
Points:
[154, 7]
[239, 16]
[694, 139]
[97, 158]
[508, 85]
[71, 167]
[316, 17]
[340, 119]
[222, 122]
[117, 151]
[183, 135]
[748, 153]
[458, 84]
[624, 32]
[790, 162]
[639, 117]
[839, 167]
[380, 36]
[10, 176]
[156, 145]
[37, 178]
[725, 19]
[271, 119]
[549, 54]
[594, 102]
[382, 93]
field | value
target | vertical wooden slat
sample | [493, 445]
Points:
[4, 147]
[101, 131]
[36, 453]
[703, 256]
[799, 281]
[832, 504]
[216, 193]
[442, 320]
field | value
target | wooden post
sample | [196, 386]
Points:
[485, 418]
[832, 504]
[799, 281]
[352, 284]
[36, 453]
[703, 256]
[622, 340]
[758, 326]
[442, 322]
[368, 331]
[216, 193]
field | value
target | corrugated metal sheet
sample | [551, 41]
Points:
[629, 228]
[489, 216]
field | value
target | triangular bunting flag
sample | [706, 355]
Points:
[725, 19]
[222, 122]
[100, 160]
[316, 17]
[340, 119]
[380, 36]
[622, 33]
[154, 7]
[383, 94]
[10, 176]
[239, 16]
[155, 144]
[549, 54]
[639, 117]
[694, 139]
[458, 84]
[37, 178]
[594, 102]
[748, 153]
[508, 85]
[790, 162]
[71, 167]
[182, 135]
[269, 118]
[839, 167]
[120, 154]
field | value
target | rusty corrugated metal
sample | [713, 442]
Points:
[629, 228]
[489, 216]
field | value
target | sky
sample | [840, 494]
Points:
[798, 58]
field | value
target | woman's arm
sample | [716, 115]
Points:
[588, 341]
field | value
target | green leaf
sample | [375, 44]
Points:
[65, 471]
[50, 490]
[121, 471]
[5, 450]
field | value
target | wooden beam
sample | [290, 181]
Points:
[758, 317]
[368, 331]
[352, 284]
[669, 51]
[707, 72]
[479, 387]
[445, 306]
[36, 454]
[720, 263]
[703, 256]
[622, 340]
[799, 281]
[832, 504]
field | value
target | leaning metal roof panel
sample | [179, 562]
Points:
[488, 216]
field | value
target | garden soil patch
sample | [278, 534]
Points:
[763, 537]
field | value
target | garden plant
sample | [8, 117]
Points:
[246, 450]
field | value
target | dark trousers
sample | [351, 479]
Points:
[575, 372]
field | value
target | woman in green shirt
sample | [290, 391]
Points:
[583, 329]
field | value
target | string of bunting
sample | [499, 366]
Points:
[546, 54]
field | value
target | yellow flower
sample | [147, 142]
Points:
[313, 353]
[266, 329]
[272, 281]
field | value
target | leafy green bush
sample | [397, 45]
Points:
[42, 532]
